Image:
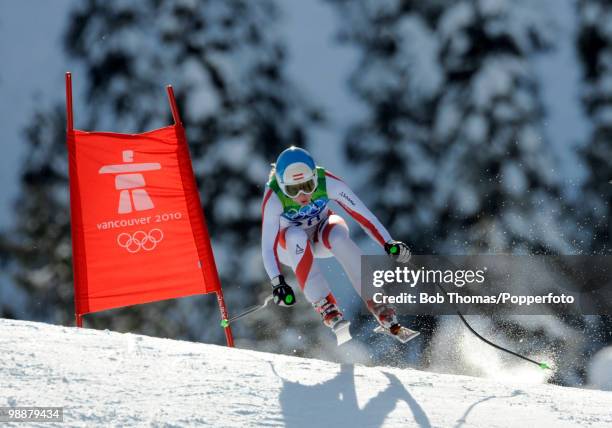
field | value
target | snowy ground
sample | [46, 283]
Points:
[110, 379]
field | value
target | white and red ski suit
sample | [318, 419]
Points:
[297, 237]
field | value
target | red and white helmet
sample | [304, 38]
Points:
[296, 172]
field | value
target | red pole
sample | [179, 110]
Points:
[69, 120]
[69, 128]
[223, 309]
[173, 107]
[209, 258]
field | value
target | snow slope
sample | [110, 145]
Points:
[104, 378]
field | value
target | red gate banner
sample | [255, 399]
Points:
[138, 230]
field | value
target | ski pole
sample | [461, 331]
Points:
[541, 365]
[252, 309]
[394, 249]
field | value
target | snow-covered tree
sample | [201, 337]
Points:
[594, 46]
[398, 79]
[452, 143]
[497, 184]
[239, 110]
[453, 133]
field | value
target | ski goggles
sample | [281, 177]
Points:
[307, 187]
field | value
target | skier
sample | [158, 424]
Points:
[298, 226]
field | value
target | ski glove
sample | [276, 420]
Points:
[398, 251]
[283, 293]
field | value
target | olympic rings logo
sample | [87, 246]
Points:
[311, 210]
[140, 240]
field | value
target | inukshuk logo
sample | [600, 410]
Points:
[130, 183]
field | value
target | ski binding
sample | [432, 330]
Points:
[403, 335]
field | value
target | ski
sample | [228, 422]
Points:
[342, 331]
[403, 335]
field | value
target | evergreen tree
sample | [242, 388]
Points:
[452, 143]
[497, 184]
[452, 136]
[239, 111]
[594, 45]
[398, 79]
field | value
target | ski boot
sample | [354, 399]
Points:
[388, 323]
[333, 318]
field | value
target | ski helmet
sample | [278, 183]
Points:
[296, 172]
